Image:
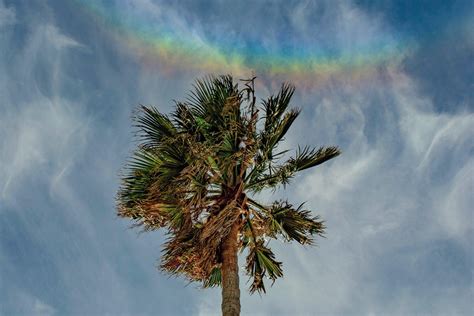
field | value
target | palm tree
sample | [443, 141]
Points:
[196, 173]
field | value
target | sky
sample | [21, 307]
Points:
[389, 82]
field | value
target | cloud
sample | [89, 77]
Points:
[43, 133]
[409, 186]
[40, 308]
[7, 16]
[454, 205]
[28, 305]
[340, 26]
[65, 128]
[56, 38]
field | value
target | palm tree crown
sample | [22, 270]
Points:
[196, 173]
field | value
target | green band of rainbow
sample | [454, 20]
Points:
[168, 49]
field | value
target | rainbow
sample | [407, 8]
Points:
[157, 44]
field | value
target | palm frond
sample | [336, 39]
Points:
[277, 121]
[185, 120]
[175, 215]
[136, 183]
[214, 232]
[173, 161]
[214, 279]
[270, 138]
[305, 158]
[179, 253]
[209, 97]
[202, 96]
[276, 106]
[153, 127]
[293, 223]
[260, 263]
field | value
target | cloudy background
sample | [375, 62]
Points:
[398, 203]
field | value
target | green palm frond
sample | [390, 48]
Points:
[144, 161]
[185, 120]
[214, 279]
[153, 127]
[276, 106]
[202, 96]
[270, 138]
[174, 214]
[278, 120]
[173, 161]
[260, 263]
[305, 158]
[293, 223]
[136, 183]
[209, 97]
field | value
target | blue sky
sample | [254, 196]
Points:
[397, 203]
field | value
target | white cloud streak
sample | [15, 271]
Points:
[43, 132]
[7, 16]
[62, 248]
[384, 199]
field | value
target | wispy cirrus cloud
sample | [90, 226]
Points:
[58, 179]
[43, 131]
[7, 15]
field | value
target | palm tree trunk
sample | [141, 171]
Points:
[230, 274]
